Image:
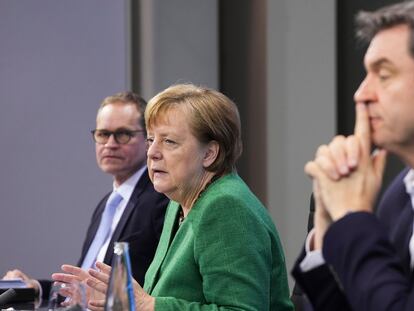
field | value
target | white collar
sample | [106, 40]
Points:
[409, 185]
[128, 186]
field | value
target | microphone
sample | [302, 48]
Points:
[7, 296]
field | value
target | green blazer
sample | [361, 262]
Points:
[226, 255]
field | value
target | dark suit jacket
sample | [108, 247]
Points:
[140, 225]
[298, 298]
[367, 259]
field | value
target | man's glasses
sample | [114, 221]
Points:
[121, 136]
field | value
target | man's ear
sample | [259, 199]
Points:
[211, 153]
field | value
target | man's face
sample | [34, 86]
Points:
[388, 90]
[120, 160]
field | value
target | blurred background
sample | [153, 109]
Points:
[291, 66]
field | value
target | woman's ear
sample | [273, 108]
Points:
[211, 153]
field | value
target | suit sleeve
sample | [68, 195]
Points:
[367, 264]
[321, 287]
[46, 285]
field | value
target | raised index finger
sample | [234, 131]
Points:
[362, 128]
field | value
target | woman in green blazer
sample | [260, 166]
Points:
[219, 249]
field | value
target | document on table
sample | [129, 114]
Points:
[15, 283]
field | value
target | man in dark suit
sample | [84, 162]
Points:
[137, 216]
[355, 260]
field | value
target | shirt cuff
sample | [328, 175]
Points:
[313, 258]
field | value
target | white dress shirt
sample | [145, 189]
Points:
[409, 187]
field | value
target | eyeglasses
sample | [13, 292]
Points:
[121, 136]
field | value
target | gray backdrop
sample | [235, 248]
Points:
[58, 59]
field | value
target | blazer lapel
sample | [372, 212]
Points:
[93, 228]
[402, 234]
[165, 241]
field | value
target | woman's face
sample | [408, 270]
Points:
[176, 159]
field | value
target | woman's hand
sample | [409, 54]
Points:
[73, 274]
[99, 281]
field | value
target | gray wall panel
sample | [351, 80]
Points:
[301, 107]
[179, 44]
[58, 59]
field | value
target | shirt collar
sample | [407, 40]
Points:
[409, 183]
[128, 186]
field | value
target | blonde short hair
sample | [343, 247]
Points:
[212, 116]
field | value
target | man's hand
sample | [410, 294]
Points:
[357, 189]
[321, 218]
[17, 274]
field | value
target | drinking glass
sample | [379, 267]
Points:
[67, 296]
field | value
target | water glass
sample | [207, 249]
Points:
[67, 296]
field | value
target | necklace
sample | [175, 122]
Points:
[181, 217]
